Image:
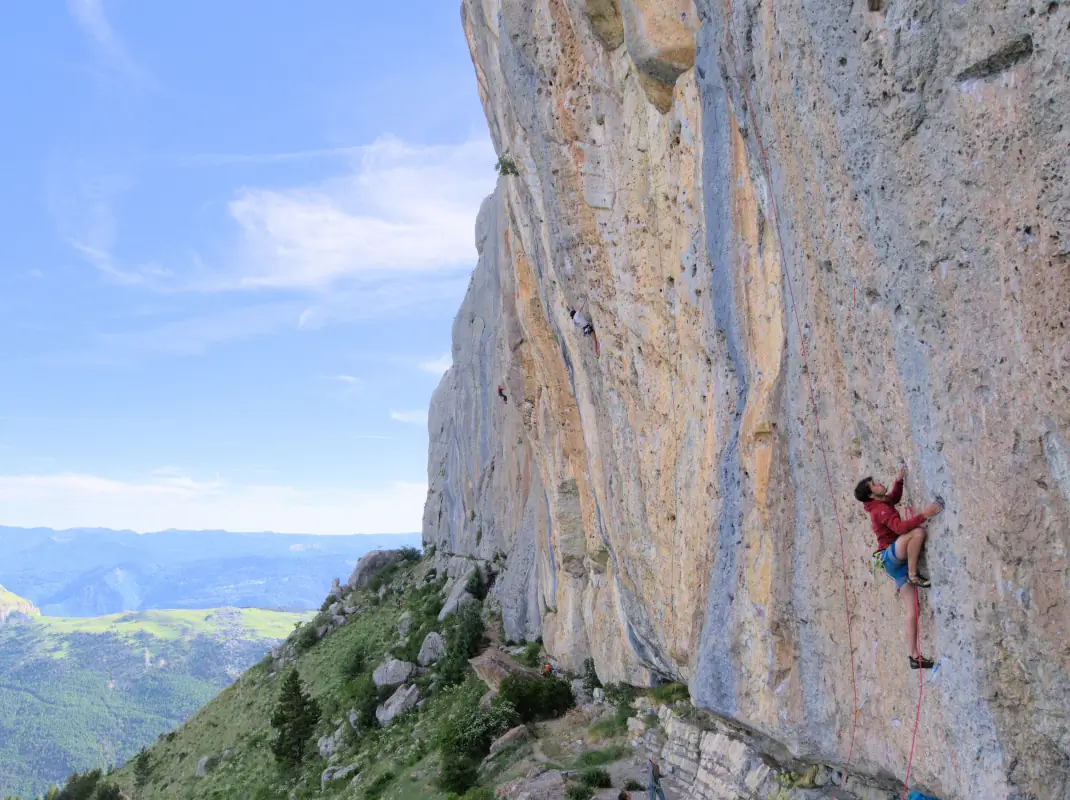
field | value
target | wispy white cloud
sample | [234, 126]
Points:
[90, 17]
[439, 365]
[392, 231]
[68, 500]
[402, 208]
[81, 199]
[410, 417]
[348, 380]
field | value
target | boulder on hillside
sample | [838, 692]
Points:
[371, 565]
[404, 699]
[458, 595]
[433, 648]
[405, 624]
[545, 785]
[493, 665]
[454, 603]
[335, 774]
[329, 746]
[514, 736]
[392, 673]
[207, 764]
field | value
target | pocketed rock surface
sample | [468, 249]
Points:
[724, 187]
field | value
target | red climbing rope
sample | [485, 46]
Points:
[813, 395]
[921, 684]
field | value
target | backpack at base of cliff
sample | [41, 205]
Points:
[920, 796]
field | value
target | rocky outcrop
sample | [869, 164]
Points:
[432, 649]
[392, 672]
[807, 236]
[371, 564]
[511, 737]
[404, 699]
[338, 774]
[458, 594]
[493, 666]
[13, 607]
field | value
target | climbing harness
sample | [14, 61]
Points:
[810, 380]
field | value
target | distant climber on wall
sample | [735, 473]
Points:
[501, 394]
[584, 325]
[900, 542]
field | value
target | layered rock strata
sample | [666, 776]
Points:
[721, 187]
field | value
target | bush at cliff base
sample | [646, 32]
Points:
[536, 699]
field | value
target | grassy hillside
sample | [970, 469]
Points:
[11, 603]
[81, 693]
[239, 719]
[171, 625]
[446, 738]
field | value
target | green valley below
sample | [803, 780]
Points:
[80, 693]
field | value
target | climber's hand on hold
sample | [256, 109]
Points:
[931, 510]
[902, 473]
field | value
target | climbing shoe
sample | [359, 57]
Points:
[921, 663]
[920, 581]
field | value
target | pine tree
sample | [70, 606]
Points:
[142, 770]
[294, 721]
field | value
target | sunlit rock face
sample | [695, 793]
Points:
[721, 187]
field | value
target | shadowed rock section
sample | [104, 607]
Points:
[717, 185]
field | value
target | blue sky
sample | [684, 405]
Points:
[234, 239]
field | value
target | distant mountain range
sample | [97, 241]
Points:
[87, 692]
[89, 572]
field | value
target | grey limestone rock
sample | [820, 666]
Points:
[392, 673]
[404, 699]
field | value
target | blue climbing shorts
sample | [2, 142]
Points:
[893, 566]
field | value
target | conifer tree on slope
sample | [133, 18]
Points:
[294, 721]
[142, 770]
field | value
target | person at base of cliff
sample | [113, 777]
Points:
[900, 542]
[654, 780]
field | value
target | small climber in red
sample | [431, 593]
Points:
[501, 394]
[900, 542]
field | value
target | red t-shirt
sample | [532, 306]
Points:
[886, 521]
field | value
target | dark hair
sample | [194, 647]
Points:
[863, 492]
[572, 312]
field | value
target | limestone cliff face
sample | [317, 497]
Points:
[689, 173]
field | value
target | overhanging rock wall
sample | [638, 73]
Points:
[664, 508]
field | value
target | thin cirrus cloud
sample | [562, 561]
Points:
[91, 19]
[438, 366]
[172, 500]
[410, 417]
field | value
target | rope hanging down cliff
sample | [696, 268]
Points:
[809, 377]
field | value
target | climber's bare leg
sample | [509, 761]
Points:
[908, 548]
[909, 595]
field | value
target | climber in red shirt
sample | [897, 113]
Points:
[900, 542]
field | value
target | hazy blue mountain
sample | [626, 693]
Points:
[86, 572]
